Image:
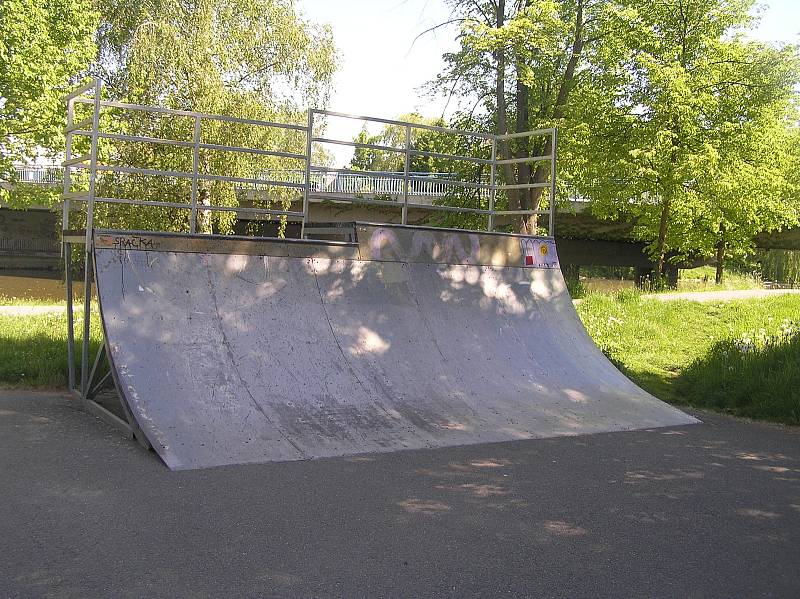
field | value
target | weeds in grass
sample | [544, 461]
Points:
[656, 344]
[756, 374]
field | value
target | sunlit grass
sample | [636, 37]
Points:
[657, 343]
[33, 348]
[702, 279]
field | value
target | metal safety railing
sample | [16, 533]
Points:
[313, 182]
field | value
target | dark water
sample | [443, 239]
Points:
[47, 290]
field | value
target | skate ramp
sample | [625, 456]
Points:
[230, 351]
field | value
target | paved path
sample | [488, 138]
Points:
[709, 510]
[720, 296]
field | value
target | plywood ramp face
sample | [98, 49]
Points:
[230, 358]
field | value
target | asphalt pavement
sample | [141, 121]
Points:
[709, 510]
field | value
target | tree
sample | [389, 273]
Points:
[688, 136]
[539, 53]
[246, 58]
[43, 47]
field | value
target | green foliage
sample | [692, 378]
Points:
[520, 66]
[254, 59]
[781, 266]
[690, 136]
[43, 46]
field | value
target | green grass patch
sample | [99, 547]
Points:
[33, 348]
[674, 350]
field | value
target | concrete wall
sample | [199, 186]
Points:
[29, 243]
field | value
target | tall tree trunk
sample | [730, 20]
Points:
[504, 148]
[721, 247]
[541, 172]
[661, 242]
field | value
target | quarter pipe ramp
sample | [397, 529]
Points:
[234, 350]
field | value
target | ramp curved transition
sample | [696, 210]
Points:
[230, 351]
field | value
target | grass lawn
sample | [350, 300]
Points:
[741, 356]
[33, 348]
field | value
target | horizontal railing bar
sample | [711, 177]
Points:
[75, 195]
[202, 115]
[363, 174]
[520, 212]
[412, 125]
[75, 128]
[139, 138]
[79, 92]
[525, 134]
[76, 160]
[524, 159]
[132, 170]
[356, 144]
[267, 182]
[253, 210]
[189, 144]
[450, 208]
[159, 203]
[451, 157]
[188, 206]
[253, 151]
[524, 186]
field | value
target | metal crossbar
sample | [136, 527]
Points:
[310, 181]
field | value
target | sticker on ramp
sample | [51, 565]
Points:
[538, 253]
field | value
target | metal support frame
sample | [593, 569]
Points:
[92, 380]
[307, 188]
[406, 177]
[195, 165]
[492, 184]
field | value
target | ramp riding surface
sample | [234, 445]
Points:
[232, 351]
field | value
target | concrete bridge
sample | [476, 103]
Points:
[29, 247]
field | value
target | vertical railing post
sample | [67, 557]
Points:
[66, 248]
[70, 316]
[553, 154]
[406, 169]
[492, 183]
[87, 263]
[307, 188]
[195, 170]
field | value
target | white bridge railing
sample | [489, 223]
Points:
[432, 185]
